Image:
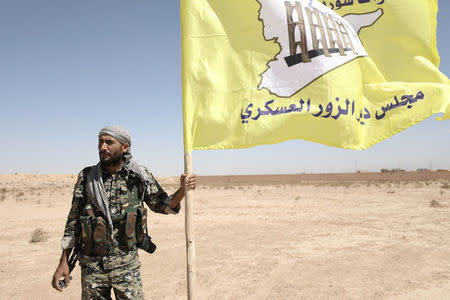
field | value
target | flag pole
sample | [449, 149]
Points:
[189, 230]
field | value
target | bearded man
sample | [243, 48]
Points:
[107, 221]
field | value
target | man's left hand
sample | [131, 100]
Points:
[191, 181]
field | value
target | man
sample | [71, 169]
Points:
[107, 220]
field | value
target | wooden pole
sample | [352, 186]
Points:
[189, 230]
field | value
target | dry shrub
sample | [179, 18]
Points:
[435, 203]
[3, 194]
[38, 235]
[445, 186]
[20, 196]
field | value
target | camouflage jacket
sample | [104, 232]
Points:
[116, 187]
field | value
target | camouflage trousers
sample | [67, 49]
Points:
[121, 272]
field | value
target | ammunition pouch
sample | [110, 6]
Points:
[141, 223]
[95, 240]
[134, 227]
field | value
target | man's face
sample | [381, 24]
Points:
[110, 150]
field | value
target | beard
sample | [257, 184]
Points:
[113, 160]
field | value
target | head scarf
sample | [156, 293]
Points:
[117, 132]
[120, 134]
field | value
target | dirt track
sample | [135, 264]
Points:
[325, 178]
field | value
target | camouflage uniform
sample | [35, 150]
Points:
[120, 268]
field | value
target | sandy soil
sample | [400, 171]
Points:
[357, 236]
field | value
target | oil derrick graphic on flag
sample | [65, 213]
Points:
[313, 39]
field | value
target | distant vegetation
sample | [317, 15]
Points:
[434, 203]
[2, 194]
[392, 170]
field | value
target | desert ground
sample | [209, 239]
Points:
[304, 236]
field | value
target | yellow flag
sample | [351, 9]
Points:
[343, 73]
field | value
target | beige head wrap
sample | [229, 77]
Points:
[117, 132]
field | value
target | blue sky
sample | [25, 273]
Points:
[70, 67]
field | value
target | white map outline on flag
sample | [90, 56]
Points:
[285, 81]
